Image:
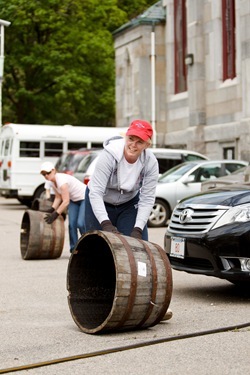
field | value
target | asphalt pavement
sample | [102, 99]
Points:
[209, 332]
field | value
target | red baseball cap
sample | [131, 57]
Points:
[141, 129]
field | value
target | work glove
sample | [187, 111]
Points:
[50, 210]
[136, 233]
[49, 218]
[108, 226]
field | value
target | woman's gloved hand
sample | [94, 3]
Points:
[136, 233]
[49, 218]
[50, 210]
[108, 226]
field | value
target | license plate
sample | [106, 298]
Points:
[177, 249]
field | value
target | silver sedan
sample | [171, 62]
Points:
[184, 180]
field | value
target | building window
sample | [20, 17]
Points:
[228, 153]
[180, 45]
[228, 38]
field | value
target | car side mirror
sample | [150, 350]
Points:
[188, 179]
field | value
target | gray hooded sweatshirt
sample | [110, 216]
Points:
[105, 184]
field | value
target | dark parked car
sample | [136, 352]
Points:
[69, 161]
[209, 234]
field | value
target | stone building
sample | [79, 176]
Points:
[202, 82]
[140, 57]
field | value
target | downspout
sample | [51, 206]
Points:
[153, 121]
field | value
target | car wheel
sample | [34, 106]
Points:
[241, 284]
[159, 215]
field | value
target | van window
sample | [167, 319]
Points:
[53, 148]
[1, 147]
[167, 161]
[76, 145]
[96, 145]
[166, 164]
[7, 147]
[29, 149]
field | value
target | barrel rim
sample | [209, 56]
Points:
[101, 328]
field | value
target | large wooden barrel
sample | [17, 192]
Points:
[117, 283]
[40, 240]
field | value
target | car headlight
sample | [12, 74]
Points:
[235, 214]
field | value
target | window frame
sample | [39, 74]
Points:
[228, 39]
[180, 46]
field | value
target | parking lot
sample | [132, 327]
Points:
[208, 334]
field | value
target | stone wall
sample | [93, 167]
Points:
[213, 115]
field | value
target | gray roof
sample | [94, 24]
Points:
[153, 15]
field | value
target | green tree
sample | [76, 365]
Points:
[59, 60]
[134, 7]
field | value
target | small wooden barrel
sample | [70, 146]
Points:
[40, 240]
[44, 205]
[117, 283]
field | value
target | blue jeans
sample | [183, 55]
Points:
[122, 216]
[76, 212]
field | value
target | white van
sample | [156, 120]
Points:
[166, 157]
[170, 157]
[23, 148]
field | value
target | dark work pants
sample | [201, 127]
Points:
[122, 216]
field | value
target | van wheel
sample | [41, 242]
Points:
[159, 215]
[39, 193]
[25, 201]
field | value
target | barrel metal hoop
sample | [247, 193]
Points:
[133, 286]
[169, 285]
[154, 284]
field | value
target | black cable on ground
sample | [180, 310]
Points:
[122, 348]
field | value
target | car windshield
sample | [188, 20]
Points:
[60, 162]
[176, 172]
